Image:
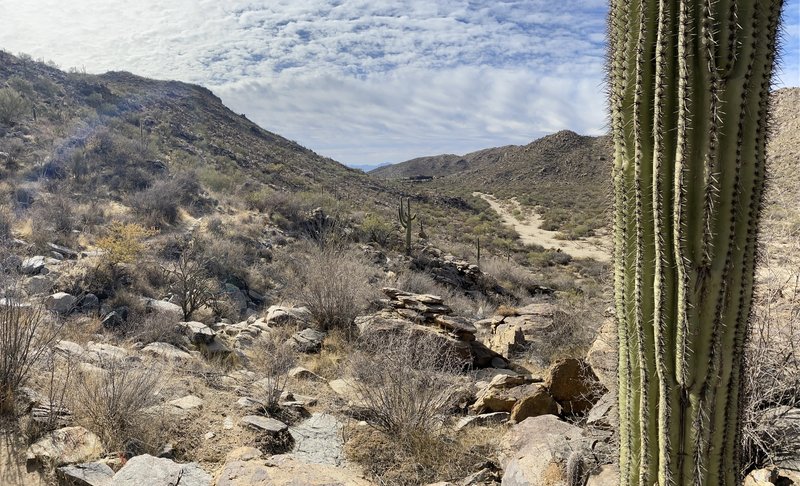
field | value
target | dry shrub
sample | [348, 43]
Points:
[772, 378]
[112, 403]
[189, 281]
[406, 381]
[511, 275]
[272, 360]
[124, 242]
[335, 286]
[575, 325]
[26, 333]
[423, 459]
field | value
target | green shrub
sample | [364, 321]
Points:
[12, 106]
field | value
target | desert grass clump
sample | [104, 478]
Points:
[335, 286]
[12, 106]
[26, 333]
[405, 380]
[112, 402]
[272, 360]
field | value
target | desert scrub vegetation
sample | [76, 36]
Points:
[112, 401]
[334, 283]
[124, 242]
[407, 384]
[272, 360]
[12, 106]
[26, 333]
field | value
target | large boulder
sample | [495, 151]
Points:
[70, 445]
[535, 451]
[286, 470]
[157, 471]
[307, 341]
[536, 402]
[573, 385]
[164, 309]
[288, 316]
[60, 303]
[167, 352]
[197, 332]
[318, 440]
[33, 265]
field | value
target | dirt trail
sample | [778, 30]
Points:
[530, 231]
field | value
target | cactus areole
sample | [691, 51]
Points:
[689, 85]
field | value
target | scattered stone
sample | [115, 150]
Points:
[189, 402]
[288, 316]
[167, 310]
[32, 265]
[573, 385]
[300, 373]
[762, 477]
[197, 332]
[69, 348]
[69, 445]
[265, 424]
[60, 303]
[318, 440]
[307, 341]
[537, 403]
[89, 303]
[87, 474]
[483, 420]
[157, 471]
[286, 470]
[103, 352]
[67, 252]
[168, 352]
[608, 475]
[115, 318]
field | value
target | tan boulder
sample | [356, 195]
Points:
[537, 402]
[573, 385]
[70, 445]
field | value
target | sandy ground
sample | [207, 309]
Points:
[530, 231]
[12, 462]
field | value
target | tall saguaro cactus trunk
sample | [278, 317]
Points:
[689, 96]
[405, 221]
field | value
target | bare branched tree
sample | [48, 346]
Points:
[190, 282]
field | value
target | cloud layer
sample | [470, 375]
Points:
[360, 81]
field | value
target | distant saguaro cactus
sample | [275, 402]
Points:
[405, 221]
[689, 98]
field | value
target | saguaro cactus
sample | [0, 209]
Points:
[689, 97]
[405, 221]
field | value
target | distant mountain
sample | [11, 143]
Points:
[565, 174]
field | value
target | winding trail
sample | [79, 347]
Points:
[530, 231]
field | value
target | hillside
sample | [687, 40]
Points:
[564, 175]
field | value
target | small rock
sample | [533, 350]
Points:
[265, 424]
[87, 474]
[574, 386]
[167, 351]
[762, 477]
[307, 341]
[539, 402]
[69, 445]
[483, 420]
[189, 402]
[32, 265]
[60, 303]
[89, 303]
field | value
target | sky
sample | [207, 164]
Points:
[361, 81]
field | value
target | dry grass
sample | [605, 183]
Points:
[272, 360]
[424, 459]
[26, 333]
[112, 403]
[406, 382]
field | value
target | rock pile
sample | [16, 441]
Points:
[428, 315]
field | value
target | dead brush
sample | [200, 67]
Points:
[112, 401]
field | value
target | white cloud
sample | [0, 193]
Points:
[363, 81]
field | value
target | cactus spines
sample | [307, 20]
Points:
[405, 221]
[689, 85]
